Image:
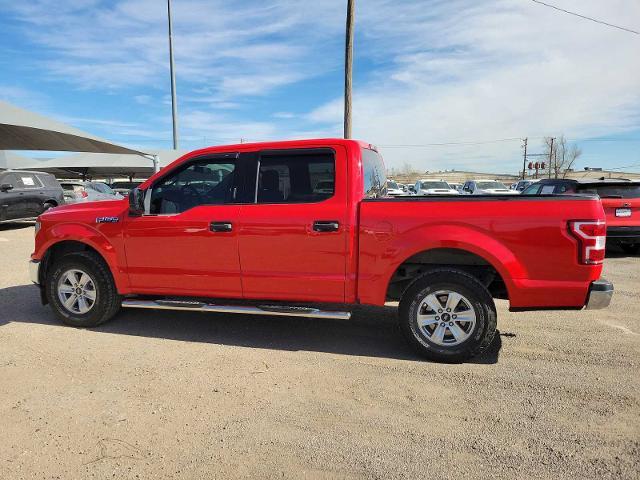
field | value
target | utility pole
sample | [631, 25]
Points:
[524, 158]
[174, 102]
[348, 67]
[550, 155]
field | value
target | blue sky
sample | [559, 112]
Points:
[425, 72]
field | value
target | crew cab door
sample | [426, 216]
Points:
[293, 237]
[186, 244]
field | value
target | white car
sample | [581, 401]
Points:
[434, 187]
[77, 191]
[393, 189]
[487, 187]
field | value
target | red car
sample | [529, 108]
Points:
[247, 229]
[620, 199]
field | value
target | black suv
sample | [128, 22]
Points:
[620, 199]
[25, 195]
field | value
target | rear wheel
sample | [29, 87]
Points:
[81, 290]
[447, 315]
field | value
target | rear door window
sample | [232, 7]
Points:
[29, 181]
[295, 177]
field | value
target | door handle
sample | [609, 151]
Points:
[326, 226]
[221, 226]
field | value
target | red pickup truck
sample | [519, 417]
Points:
[304, 228]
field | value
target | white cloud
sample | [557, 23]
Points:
[475, 71]
[434, 71]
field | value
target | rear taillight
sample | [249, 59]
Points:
[83, 194]
[591, 236]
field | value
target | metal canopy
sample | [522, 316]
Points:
[24, 130]
[99, 165]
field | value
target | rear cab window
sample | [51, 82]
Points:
[374, 174]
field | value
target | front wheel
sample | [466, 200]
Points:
[81, 290]
[447, 315]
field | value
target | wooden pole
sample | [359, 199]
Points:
[348, 67]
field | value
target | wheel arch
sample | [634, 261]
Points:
[57, 249]
[481, 265]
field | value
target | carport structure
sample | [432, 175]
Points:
[24, 130]
[101, 165]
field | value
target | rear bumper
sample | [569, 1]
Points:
[623, 233]
[600, 293]
[34, 271]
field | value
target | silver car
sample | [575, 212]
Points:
[75, 192]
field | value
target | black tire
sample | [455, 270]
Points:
[107, 301]
[630, 248]
[479, 335]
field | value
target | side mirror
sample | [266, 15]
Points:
[5, 187]
[136, 202]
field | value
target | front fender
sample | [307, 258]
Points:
[82, 233]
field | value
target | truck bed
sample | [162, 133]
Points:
[506, 232]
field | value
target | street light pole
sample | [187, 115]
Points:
[174, 102]
[348, 67]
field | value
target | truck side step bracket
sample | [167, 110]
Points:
[277, 310]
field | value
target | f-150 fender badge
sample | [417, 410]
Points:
[107, 219]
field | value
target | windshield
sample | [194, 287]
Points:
[614, 191]
[431, 185]
[391, 184]
[491, 185]
[102, 188]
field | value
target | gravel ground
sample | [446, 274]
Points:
[188, 395]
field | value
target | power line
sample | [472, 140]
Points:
[586, 18]
[453, 143]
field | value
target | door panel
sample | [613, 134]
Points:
[177, 248]
[282, 256]
[13, 202]
[179, 254]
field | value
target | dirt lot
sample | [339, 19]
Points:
[167, 395]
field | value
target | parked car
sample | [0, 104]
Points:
[620, 200]
[25, 195]
[88, 192]
[273, 246]
[521, 185]
[456, 186]
[486, 187]
[393, 189]
[434, 187]
[123, 188]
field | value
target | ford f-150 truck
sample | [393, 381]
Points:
[247, 229]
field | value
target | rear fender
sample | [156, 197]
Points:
[461, 238]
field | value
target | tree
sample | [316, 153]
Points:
[561, 159]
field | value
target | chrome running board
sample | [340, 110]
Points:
[195, 306]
